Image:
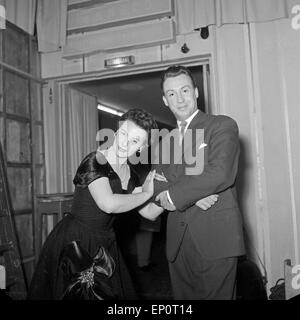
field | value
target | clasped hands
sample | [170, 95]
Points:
[162, 197]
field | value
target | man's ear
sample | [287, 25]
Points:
[165, 101]
[196, 93]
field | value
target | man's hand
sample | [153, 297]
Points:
[164, 201]
[207, 202]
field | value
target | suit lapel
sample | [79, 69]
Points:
[191, 159]
[194, 145]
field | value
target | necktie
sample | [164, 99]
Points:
[182, 127]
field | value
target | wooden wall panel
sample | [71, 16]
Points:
[1, 86]
[16, 52]
[75, 4]
[38, 144]
[137, 35]
[40, 180]
[19, 180]
[25, 234]
[116, 14]
[35, 64]
[36, 101]
[1, 130]
[18, 141]
[16, 91]
[21, 128]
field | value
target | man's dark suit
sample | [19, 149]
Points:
[216, 233]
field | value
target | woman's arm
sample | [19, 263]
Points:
[111, 202]
[151, 211]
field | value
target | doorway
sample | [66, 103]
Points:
[139, 91]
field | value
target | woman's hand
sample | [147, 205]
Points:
[160, 177]
[148, 185]
[207, 202]
[137, 190]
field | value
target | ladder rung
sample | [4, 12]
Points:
[6, 247]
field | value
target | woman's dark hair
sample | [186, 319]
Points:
[174, 71]
[88, 170]
[141, 118]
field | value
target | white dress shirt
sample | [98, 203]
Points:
[188, 120]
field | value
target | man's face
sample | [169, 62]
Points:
[180, 96]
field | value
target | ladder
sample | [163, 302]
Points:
[15, 287]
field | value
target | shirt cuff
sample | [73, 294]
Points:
[169, 198]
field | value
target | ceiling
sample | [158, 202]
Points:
[135, 91]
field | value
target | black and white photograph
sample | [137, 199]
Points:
[149, 153]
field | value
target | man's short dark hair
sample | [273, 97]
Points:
[174, 71]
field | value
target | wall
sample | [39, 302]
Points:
[71, 125]
[277, 74]
[21, 134]
[21, 13]
[257, 78]
[255, 74]
[54, 65]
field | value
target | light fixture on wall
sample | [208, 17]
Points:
[119, 62]
[110, 110]
[204, 32]
[185, 48]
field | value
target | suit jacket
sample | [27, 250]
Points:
[214, 147]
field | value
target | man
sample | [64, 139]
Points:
[202, 246]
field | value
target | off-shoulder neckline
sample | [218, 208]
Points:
[112, 170]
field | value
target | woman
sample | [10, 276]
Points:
[80, 258]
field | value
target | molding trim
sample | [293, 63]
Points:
[139, 35]
[116, 14]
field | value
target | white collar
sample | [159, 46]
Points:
[188, 120]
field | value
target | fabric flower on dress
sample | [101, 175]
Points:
[86, 278]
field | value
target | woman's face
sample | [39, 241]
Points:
[129, 139]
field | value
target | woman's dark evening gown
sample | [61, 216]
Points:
[92, 229]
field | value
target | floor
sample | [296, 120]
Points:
[153, 284]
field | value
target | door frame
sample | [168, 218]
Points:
[209, 76]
